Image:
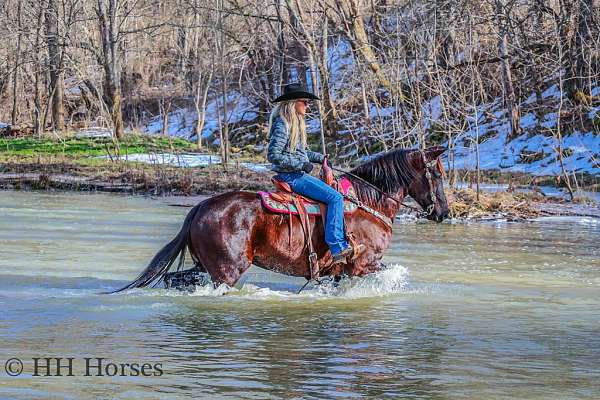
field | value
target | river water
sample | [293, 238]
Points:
[479, 310]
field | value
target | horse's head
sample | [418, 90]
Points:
[428, 186]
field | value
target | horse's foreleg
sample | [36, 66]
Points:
[228, 273]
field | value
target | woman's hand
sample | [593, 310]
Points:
[307, 167]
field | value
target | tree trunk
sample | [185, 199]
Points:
[297, 51]
[54, 63]
[283, 72]
[38, 115]
[580, 51]
[558, 134]
[510, 98]
[200, 103]
[331, 115]
[108, 27]
[225, 122]
[13, 119]
[224, 130]
[164, 106]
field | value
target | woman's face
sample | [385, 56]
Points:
[301, 106]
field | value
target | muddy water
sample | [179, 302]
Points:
[492, 311]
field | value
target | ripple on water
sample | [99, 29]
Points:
[494, 311]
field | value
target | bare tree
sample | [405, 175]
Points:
[56, 87]
[351, 17]
[109, 21]
[581, 50]
[510, 98]
[17, 65]
[315, 58]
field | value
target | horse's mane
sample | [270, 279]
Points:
[389, 172]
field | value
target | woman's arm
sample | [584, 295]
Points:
[277, 152]
[315, 157]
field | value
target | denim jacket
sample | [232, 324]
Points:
[279, 154]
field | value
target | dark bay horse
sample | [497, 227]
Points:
[227, 233]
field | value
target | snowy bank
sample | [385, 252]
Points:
[187, 160]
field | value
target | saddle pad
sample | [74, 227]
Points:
[289, 208]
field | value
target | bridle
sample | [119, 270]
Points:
[428, 166]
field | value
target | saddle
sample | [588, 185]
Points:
[285, 201]
[281, 200]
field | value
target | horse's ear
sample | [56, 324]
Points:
[431, 153]
[416, 159]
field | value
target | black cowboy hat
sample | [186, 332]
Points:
[295, 91]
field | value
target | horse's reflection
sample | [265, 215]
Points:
[295, 349]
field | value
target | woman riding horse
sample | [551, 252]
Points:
[227, 233]
[292, 160]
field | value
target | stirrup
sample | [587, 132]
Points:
[350, 253]
[343, 256]
[357, 251]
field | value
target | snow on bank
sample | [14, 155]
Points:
[532, 152]
[182, 121]
[187, 160]
[545, 190]
[94, 132]
[511, 156]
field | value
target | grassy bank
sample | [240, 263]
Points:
[99, 163]
[78, 148]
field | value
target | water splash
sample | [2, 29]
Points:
[391, 280]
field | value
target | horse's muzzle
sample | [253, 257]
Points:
[438, 217]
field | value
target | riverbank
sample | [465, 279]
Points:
[99, 164]
[128, 178]
[186, 187]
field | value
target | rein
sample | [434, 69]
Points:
[389, 196]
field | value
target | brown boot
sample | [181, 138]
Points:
[349, 253]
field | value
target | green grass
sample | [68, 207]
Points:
[74, 147]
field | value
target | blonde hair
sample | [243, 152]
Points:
[294, 122]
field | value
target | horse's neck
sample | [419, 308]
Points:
[392, 207]
[389, 206]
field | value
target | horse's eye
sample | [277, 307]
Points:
[434, 172]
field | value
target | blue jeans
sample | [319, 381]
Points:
[313, 188]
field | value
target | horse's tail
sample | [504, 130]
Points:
[164, 259]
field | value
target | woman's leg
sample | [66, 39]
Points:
[318, 190]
